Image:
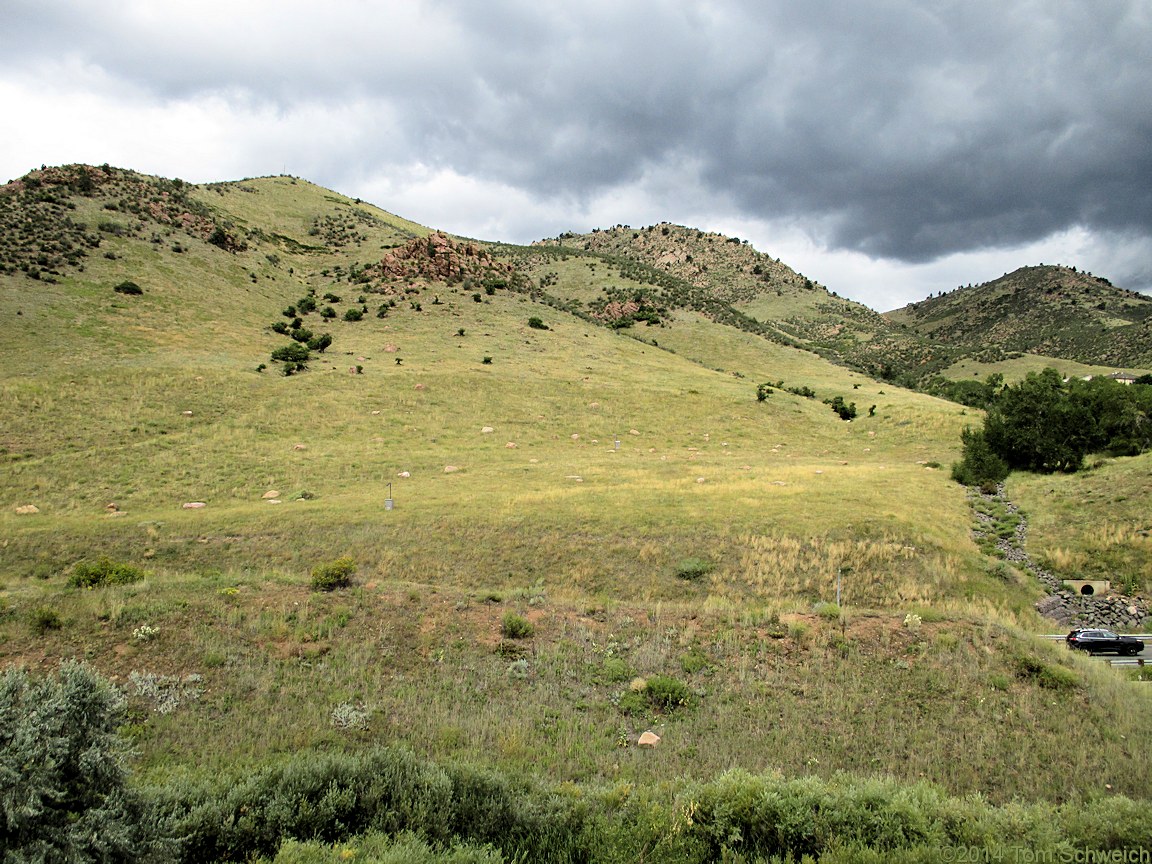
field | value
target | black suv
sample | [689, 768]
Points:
[1101, 641]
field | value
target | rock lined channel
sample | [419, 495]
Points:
[1062, 605]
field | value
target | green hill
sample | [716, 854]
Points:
[488, 439]
[731, 282]
[1053, 311]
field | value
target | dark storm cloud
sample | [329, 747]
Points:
[907, 130]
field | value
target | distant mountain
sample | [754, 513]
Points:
[1049, 310]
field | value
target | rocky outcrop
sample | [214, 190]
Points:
[439, 258]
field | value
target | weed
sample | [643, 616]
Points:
[350, 715]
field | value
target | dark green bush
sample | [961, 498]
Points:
[327, 312]
[666, 693]
[333, 575]
[353, 314]
[293, 353]
[103, 572]
[846, 411]
[537, 323]
[516, 626]
[693, 569]
[127, 287]
[320, 343]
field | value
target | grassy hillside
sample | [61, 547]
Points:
[621, 490]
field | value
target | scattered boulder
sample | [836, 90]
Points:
[701, 479]
[271, 493]
[511, 445]
[450, 469]
[633, 432]
[648, 739]
[27, 509]
[299, 447]
[420, 387]
[193, 505]
[186, 413]
[486, 430]
[575, 436]
[404, 474]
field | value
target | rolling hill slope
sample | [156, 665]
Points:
[619, 487]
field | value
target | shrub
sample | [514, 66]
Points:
[320, 343]
[65, 792]
[327, 312]
[294, 355]
[979, 465]
[666, 693]
[487, 361]
[103, 572]
[353, 314]
[333, 575]
[127, 287]
[1045, 675]
[763, 392]
[846, 411]
[45, 619]
[516, 626]
[693, 569]
[536, 323]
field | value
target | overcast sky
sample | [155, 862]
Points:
[886, 148]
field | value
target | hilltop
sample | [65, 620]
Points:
[732, 282]
[1049, 310]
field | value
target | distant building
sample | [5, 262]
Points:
[1123, 377]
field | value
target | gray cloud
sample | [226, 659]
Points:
[897, 129]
